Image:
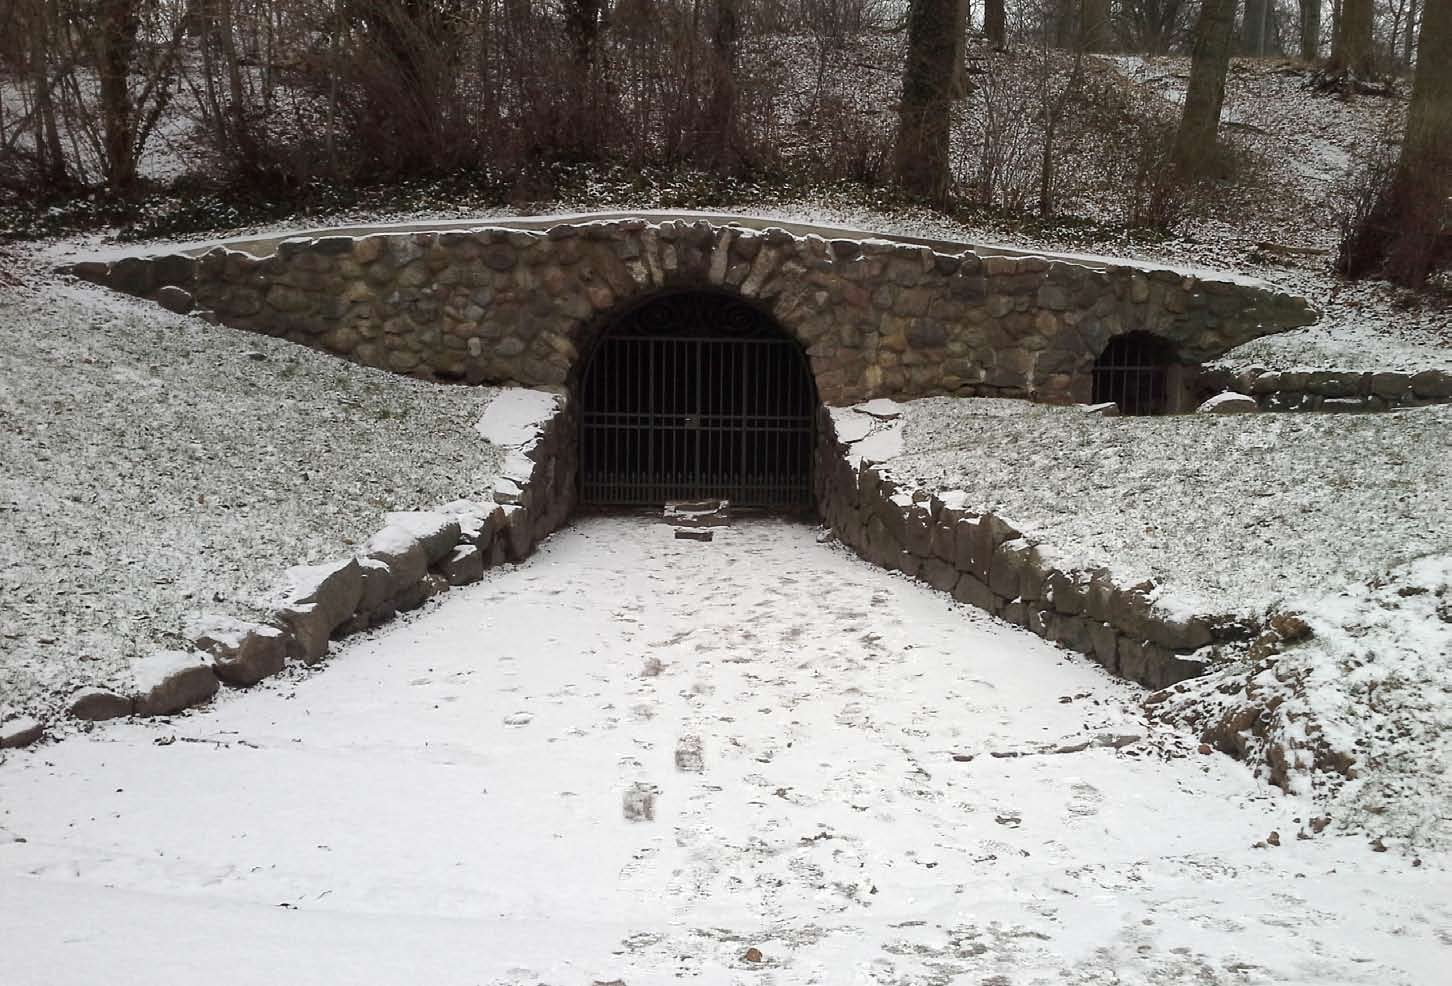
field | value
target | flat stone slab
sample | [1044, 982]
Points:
[698, 513]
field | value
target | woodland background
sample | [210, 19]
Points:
[174, 116]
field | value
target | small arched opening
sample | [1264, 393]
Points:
[696, 395]
[1141, 373]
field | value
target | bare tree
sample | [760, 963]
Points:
[924, 114]
[1195, 145]
[1094, 25]
[1408, 233]
[961, 85]
[1403, 30]
[1151, 26]
[1255, 26]
[995, 24]
[1056, 94]
[582, 28]
[725, 50]
[1414, 8]
[1351, 41]
[35, 24]
[1310, 29]
[136, 82]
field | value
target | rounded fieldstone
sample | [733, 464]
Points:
[1432, 384]
[175, 299]
[19, 732]
[99, 704]
[1228, 403]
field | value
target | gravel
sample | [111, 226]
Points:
[153, 467]
[1229, 514]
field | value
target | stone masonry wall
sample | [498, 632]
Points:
[1331, 390]
[876, 318]
[414, 557]
[982, 560]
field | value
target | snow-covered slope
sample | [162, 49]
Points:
[154, 466]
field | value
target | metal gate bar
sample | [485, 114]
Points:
[697, 402]
[1133, 372]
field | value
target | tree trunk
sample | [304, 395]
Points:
[1351, 50]
[582, 27]
[1409, 233]
[1254, 25]
[725, 49]
[1410, 32]
[924, 114]
[995, 24]
[243, 140]
[1095, 31]
[961, 86]
[50, 156]
[1195, 143]
[119, 22]
[1310, 30]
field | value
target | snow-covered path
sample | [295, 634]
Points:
[635, 758]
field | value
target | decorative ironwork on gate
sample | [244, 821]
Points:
[1133, 372]
[694, 396]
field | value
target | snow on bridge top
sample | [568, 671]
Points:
[518, 301]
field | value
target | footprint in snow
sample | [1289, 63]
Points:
[1084, 800]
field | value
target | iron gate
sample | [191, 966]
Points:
[1133, 372]
[697, 396]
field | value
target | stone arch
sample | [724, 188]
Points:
[690, 394]
[628, 264]
[876, 318]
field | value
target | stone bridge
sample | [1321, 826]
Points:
[509, 304]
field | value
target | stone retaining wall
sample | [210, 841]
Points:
[417, 555]
[1331, 390]
[876, 318]
[982, 560]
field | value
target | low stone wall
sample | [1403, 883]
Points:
[417, 555]
[982, 560]
[1331, 390]
[876, 318]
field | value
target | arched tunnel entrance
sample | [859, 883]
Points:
[1140, 372]
[696, 395]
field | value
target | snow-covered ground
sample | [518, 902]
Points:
[153, 467]
[1230, 514]
[1343, 519]
[637, 759]
[1359, 716]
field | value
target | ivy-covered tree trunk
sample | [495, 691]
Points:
[1409, 232]
[1195, 143]
[924, 115]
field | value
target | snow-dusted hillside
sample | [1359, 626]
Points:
[1341, 520]
[154, 467]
